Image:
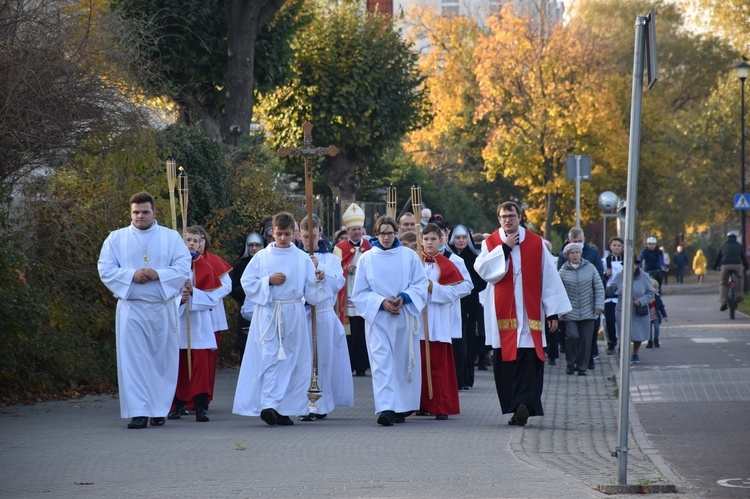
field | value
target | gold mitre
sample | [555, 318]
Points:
[354, 216]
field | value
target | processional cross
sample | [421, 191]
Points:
[308, 151]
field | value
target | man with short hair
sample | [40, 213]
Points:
[523, 298]
[730, 258]
[407, 223]
[334, 367]
[349, 252]
[145, 265]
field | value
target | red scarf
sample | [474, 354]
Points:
[205, 277]
[449, 273]
[348, 251]
[218, 263]
[505, 302]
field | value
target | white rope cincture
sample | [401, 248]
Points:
[279, 331]
[413, 330]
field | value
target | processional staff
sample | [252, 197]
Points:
[171, 181]
[183, 192]
[390, 205]
[308, 151]
[416, 202]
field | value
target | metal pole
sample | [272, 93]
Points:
[578, 192]
[742, 179]
[604, 233]
[628, 264]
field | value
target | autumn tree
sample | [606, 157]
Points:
[357, 81]
[543, 93]
[450, 147]
[66, 73]
[681, 118]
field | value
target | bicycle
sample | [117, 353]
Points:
[732, 293]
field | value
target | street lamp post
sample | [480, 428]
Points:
[742, 68]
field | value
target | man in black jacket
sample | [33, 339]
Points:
[731, 258]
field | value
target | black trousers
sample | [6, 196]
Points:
[519, 381]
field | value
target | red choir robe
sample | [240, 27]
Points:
[442, 363]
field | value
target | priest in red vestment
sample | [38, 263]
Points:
[523, 298]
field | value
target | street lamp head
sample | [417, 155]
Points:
[742, 68]
[608, 201]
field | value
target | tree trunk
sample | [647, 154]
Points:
[245, 18]
[341, 175]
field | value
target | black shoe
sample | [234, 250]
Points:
[158, 421]
[386, 418]
[482, 366]
[441, 417]
[201, 407]
[178, 412]
[552, 362]
[522, 415]
[283, 420]
[467, 387]
[513, 421]
[581, 373]
[200, 415]
[270, 416]
[361, 373]
[138, 423]
[656, 343]
[723, 307]
[591, 366]
[569, 370]
[319, 416]
[650, 344]
[306, 417]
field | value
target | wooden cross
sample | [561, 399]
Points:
[308, 151]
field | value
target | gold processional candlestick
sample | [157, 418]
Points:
[416, 203]
[308, 152]
[183, 192]
[391, 202]
[171, 182]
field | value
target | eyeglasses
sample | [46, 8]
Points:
[508, 217]
[387, 234]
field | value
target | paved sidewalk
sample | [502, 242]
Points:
[82, 448]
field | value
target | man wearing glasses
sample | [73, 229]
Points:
[524, 297]
[390, 290]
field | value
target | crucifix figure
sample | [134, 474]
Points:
[308, 151]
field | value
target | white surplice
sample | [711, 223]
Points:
[202, 318]
[493, 266]
[276, 367]
[441, 305]
[334, 368]
[392, 339]
[147, 320]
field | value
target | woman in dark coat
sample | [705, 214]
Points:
[461, 242]
[253, 244]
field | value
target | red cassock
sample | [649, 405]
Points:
[442, 363]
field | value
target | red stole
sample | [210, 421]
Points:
[347, 256]
[505, 301]
[204, 275]
[449, 273]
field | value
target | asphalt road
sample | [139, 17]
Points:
[692, 395]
